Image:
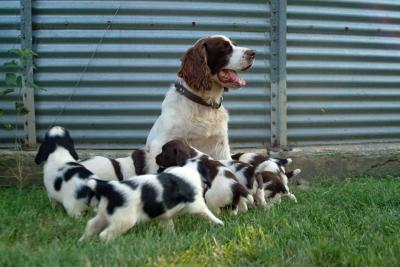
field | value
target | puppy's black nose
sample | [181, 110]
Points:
[250, 53]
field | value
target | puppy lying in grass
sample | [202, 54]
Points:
[64, 178]
[222, 187]
[141, 198]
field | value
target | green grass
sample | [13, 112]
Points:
[353, 223]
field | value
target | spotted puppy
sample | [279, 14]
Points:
[64, 178]
[141, 198]
[120, 168]
[222, 186]
[246, 175]
[273, 174]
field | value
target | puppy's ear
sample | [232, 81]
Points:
[44, 151]
[237, 155]
[194, 68]
[69, 145]
[282, 162]
[71, 149]
[181, 155]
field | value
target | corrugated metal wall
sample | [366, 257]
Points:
[9, 39]
[106, 65]
[343, 71]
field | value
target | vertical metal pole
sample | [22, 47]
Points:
[278, 74]
[27, 92]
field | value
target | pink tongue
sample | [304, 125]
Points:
[230, 76]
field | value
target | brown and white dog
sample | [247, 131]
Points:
[192, 109]
[222, 187]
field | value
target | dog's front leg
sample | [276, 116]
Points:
[222, 149]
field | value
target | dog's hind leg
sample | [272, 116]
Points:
[200, 207]
[93, 226]
[117, 227]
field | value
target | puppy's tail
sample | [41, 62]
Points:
[99, 187]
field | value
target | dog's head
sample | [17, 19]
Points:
[215, 59]
[173, 153]
[55, 137]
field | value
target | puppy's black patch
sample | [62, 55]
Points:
[151, 206]
[281, 162]
[86, 193]
[175, 190]
[71, 163]
[237, 155]
[249, 174]
[57, 183]
[82, 172]
[238, 167]
[131, 184]
[107, 190]
[204, 172]
[289, 174]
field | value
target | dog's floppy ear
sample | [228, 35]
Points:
[69, 145]
[194, 68]
[181, 155]
[44, 151]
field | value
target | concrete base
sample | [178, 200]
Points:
[322, 162]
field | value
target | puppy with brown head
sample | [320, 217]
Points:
[175, 152]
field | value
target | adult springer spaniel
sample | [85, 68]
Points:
[192, 109]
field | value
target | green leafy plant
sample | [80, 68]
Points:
[15, 79]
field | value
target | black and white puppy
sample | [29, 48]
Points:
[120, 168]
[222, 186]
[65, 179]
[141, 198]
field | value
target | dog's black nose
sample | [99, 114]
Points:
[250, 53]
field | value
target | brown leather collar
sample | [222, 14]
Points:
[195, 98]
